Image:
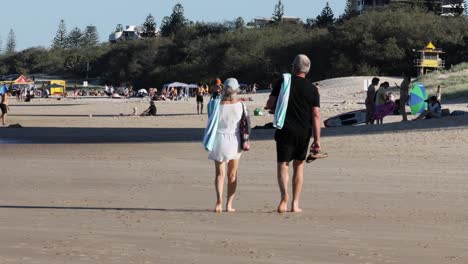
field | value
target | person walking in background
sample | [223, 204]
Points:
[4, 106]
[370, 100]
[200, 93]
[216, 89]
[222, 139]
[301, 101]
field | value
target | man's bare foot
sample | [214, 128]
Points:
[219, 208]
[230, 210]
[295, 208]
[283, 206]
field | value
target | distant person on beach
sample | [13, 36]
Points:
[370, 103]
[216, 89]
[381, 95]
[386, 109]
[4, 106]
[404, 96]
[151, 111]
[226, 149]
[292, 140]
[434, 109]
[200, 93]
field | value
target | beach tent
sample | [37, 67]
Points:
[186, 87]
[22, 80]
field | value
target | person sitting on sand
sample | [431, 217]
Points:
[434, 109]
[385, 109]
[151, 111]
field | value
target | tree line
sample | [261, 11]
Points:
[378, 42]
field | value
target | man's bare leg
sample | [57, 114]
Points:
[232, 184]
[201, 108]
[403, 112]
[198, 108]
[219, 184]
[283, 178]
[4, 119]
[298, 181]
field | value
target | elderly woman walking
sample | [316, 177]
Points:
[224, 142]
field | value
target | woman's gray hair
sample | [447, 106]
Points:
[301, 64]
[228, 93]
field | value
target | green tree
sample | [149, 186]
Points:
[350, 10]
[119, 28]
[174, 23]
[279, 12]
[326, 17]
[90, 37]
[60, 39]
[239, 23]
[1, 45]
[11, 43]
[75, 38]
[149, 27]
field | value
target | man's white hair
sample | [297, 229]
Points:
[301, 64]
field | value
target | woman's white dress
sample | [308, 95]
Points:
[227, 142]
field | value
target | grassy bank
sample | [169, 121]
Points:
[454, 82]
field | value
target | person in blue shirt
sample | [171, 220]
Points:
[434, 109]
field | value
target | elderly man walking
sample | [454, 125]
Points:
[296, 103]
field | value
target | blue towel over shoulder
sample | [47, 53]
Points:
[282, 102]
[213, 119]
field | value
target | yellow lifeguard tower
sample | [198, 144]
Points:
[429, 59]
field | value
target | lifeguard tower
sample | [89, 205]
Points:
[429, 59]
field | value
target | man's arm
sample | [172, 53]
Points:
[271, 103]
[317, 126]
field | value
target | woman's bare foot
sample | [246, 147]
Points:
[219, 208]
[295, 208]
[283, 206]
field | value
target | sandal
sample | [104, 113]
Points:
[316, 155]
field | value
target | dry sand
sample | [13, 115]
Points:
[107, 189]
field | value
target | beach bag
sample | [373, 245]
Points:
[244, 129]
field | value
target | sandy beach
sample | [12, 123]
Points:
[80, 184]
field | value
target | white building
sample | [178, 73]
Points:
[129, 33]
[265, 21]
[448, 7]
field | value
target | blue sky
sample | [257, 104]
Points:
[35, 21]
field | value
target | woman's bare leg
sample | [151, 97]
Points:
[233, 166]
[219, 184]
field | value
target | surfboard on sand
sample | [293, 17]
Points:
[347, 119]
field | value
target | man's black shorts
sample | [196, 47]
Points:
[4, 108]
[199, 98]
[292, 145]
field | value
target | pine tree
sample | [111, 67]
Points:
[11, 43]
[75, 38]
[149, 27]
[172, 24]
[239, 23]
[350, 10]
[119, 28]
[326, 17]
[90, 37]
[60, 39]
[1, 45]
[279, 12]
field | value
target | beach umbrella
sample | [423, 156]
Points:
[418, 96]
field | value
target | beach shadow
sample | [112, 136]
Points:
[82, 208]
[40, 105]
[94, 116]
